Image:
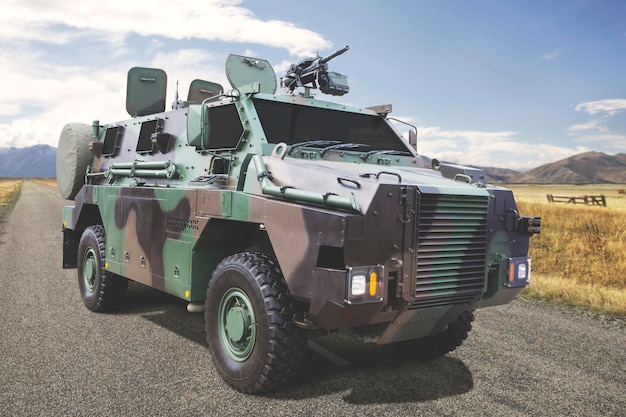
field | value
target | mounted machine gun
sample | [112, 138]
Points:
[314, 71]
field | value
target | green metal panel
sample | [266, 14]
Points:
[146, 89]
[177, 267]
[243, 70]
[200, 90]
[194, 125]
[114, 234]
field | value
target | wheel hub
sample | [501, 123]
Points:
[90, 270]
[237, 324]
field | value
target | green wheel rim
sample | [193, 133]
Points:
[237, 324]
[90, 269]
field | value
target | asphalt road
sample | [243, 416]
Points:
[150, 359]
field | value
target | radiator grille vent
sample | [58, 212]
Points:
[451, 249]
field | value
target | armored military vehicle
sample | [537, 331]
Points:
[283, 216]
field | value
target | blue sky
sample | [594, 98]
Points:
[511, 84]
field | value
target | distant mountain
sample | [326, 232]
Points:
[584, 168]
[34, 161]
[499, 175]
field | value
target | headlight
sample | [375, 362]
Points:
[364, 284]
[357, 287]
[519, 272]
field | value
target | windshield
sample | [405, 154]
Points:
[293, 123]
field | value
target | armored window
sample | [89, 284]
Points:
[112, 141]
[152, 138]
[224, 127]
[292, 123]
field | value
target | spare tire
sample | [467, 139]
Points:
[73, 158]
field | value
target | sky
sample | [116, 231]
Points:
[508, 84]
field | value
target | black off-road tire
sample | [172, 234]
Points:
[254, 343]
[100, 289]
[432, 347]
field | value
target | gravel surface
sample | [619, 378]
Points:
[150, 359]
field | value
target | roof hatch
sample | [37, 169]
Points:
[243, 70]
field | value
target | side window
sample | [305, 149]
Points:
[224, 128]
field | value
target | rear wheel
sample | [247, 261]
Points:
[100, 289]
[431, 347]
[254, 343]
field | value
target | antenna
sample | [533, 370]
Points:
[176, 102]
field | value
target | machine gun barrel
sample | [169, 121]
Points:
[333, 55]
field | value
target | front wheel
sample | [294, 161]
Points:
[100, 289]
[254, 344]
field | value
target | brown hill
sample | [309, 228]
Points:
[499, 175]
[585, 168]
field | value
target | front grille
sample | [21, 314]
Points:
[451, 249]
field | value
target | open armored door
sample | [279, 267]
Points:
[145, 91]
[243, 70]
[200, 90]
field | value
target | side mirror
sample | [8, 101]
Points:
[413, 138]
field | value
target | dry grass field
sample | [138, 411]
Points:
[579, 258]
[9, 187]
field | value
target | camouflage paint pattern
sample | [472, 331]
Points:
[173, 205]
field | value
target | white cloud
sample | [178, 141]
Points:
[502, 149]
[58, 22]
[155, 45]
[595, 132]
[282, 66]
[595, 124]
[63, 94]
[606, 142]
[549, 56]
[39, 94]
[78, 98]
[610, 106]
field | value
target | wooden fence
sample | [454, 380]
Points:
[589, 200]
